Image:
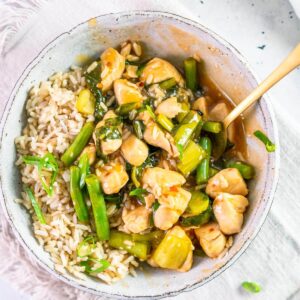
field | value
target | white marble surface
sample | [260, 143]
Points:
[273, 259]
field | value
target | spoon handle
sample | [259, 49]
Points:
[290, 63]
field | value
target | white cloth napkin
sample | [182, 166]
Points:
[272, 259]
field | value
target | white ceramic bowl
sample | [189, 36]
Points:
[175, 38]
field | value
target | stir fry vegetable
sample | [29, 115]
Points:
[35, 205]
[190, 69]
[269, 145]
[77, 196]
[125, 241]
[99, 208]
[47, 170]
[78, 144]
[203, 168]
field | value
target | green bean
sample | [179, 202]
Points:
[203, 168]
[190, 69]
[148, 237]
[139, 128]
[84, 167]
[185, 108]
[77, 196]
[213, 127]
[167, 84]
[124, 241]
[192, 155]
[219, 143]
[98, 206]
[246, 170]
[35, 205]
[125, 109]
[165, 122]
[78, 144]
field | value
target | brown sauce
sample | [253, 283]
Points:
[212, 92]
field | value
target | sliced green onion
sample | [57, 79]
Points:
[134, 176]
[125, 109]
[88, 264]
[150, 111]
[139, 128]
[165, 122]
[213, 127]
[168, 83]
[35, 205]
[48, 163]
[84, 248]
[262, 137]
[251, 287]
[138, 192]
[31, 160]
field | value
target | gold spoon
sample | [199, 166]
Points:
[291, 62]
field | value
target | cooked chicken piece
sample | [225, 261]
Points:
[228, 181]
[169, 107]
[145, 117]
[155, 136]
[127, 92]
[136, 220]
[165, 217]
[174, 252]
[90, 150]
[109, 146]
[228, 210]
[201, 104]
[134, 150]
[211, 239]
[218, 113]
[172, 206]
[158, 70]
[112, 177]
[112, 66]
[176, 198]
[158, 180]
[149, 200]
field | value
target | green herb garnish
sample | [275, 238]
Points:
[251, 287]
[47, 164]
[35, 205]
[262, 137]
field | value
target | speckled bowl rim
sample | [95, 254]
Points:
[246, 243]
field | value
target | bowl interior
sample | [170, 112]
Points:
[173, 38]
